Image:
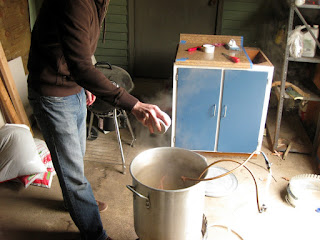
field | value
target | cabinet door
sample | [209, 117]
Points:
[198, 95]
[241, 110]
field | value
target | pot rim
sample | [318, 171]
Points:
[163, 190]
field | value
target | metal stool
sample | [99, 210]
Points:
[102, 109]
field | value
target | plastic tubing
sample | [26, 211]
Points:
[229, 229]
[260, 208]
[222, 175]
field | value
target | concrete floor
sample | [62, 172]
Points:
[37, 213]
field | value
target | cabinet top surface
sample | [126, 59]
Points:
[216, 59]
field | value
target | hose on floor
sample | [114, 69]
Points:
[228, 229]
[261, 208]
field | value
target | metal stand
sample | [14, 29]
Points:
[114, 114]
[293, 9]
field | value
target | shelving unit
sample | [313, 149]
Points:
[281, 91]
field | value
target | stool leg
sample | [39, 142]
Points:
[90, 125]
[129, 126]
[119, 140]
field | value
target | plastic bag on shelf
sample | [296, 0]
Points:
[295, 42]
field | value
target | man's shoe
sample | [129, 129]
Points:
[102, 207]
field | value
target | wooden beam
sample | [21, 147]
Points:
[7, 106]
[10, 86]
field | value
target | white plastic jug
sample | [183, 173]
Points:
[300, 2]
[309, 44]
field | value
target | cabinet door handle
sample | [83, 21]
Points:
[225, 111]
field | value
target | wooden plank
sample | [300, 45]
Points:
[200, 58]
[7, 108]
[202, 38]
[11, 88]
[256, 54]
[225, 154]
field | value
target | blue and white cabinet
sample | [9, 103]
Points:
[218, 109]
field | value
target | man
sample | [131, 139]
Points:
[64, 39]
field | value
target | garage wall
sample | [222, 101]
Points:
[157, 29]
[14, 29]
[241, 18]
[14, 32]
[115, 48]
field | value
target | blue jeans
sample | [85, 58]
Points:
[63, 124]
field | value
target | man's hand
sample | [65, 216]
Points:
[149, 115]
[90, 98]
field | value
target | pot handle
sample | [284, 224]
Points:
[132, 189]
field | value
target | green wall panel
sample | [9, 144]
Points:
[114, 9]
[113, 60]
[112, 44]
[118, 2]
[241, 6]
[112, 52]
[117, 27]
[116, 36]
[237, 25]
[115, 47]
[239, 18]
[116, 19]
